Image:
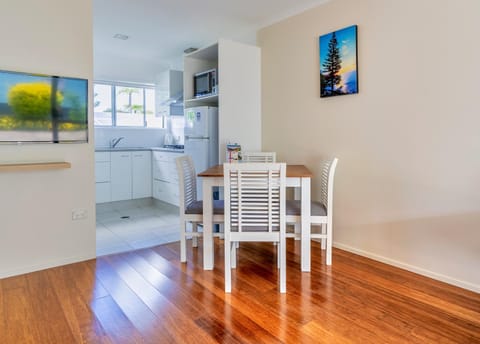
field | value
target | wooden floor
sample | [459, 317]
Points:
[149, 296]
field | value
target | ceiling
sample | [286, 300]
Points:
[160, 30]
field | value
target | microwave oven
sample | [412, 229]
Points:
[205, 83]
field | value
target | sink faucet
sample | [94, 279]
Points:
[114, 142]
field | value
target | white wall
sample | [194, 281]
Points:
[239, 84]
[408, 145]
[36, 227]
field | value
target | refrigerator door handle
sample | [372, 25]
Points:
[187, 137]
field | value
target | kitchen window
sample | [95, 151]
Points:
[125, 105]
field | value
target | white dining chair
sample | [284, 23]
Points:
[259, 156]
[250, 156]
[191, 209]
[254, 211]
[321, 211]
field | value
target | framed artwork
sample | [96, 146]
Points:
[338, 62]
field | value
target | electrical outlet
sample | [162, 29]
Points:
[79, 214]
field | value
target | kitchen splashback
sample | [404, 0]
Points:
[133, 137]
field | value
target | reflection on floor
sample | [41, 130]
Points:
[129, 225]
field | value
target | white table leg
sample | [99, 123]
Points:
[305, 211]
[208, 224]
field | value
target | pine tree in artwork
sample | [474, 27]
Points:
[331, 66]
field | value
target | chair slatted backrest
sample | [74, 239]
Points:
[259, 157]
[327, 175]
[255, 196]
[187, 179]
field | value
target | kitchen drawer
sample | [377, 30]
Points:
[159, 190]
[173, 194]
[165, 191]
[162, 156]
[102, 156]
[102, 172]
[166, 171]
[173, 173]
[165, 156]
[162, 171]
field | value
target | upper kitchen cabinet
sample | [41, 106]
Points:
[168, 91]
[238, 91]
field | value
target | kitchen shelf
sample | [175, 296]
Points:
[209, 100]
[239, 91]
[34, 166]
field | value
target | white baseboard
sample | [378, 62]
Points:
[412, 268]
[45, 265]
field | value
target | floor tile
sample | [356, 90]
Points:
[147, 224]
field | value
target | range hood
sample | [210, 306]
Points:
[176, 99]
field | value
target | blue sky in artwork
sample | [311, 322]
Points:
[347, 44]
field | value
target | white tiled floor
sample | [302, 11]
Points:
[129, 225]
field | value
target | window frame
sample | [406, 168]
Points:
[113, 94]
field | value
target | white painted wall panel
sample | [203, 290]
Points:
[239, 96]
[36, 230]
[408, 145]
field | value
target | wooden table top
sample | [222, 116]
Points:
[292, 171]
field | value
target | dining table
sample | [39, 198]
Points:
[297, 176]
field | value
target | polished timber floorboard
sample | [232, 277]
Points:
[148, 296]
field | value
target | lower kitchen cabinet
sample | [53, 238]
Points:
[166, 192]
[121, 175]
[141, 174]
[165, 177]
[124, 175]
[102, 177]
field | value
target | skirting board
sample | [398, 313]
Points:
[45, 265]
[420, 271]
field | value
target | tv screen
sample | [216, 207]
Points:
[42, 108]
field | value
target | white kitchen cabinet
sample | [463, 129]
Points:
[168, 88]
[141, 174]
[121, 175]
[239, 91]
[102, 177]
[159, 190]
[161, 170]
[124, 175]
[166, 192]
[102, 172]
[165, 177]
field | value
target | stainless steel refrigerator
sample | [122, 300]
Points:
[201, 139]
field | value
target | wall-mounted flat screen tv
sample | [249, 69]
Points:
[42, 108]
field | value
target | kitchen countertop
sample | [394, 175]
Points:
[163, 149]
[124, 149]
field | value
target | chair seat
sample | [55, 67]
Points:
[294, 208]
[196, 207]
